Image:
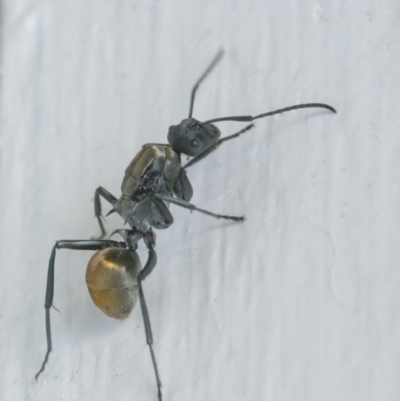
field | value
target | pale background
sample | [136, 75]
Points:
[299, 303]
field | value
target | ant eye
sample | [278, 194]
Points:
[195, 143]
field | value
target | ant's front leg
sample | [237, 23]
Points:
[183, 188]
[211, 148]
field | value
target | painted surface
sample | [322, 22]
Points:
[298, 303]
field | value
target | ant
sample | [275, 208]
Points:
[154, 179]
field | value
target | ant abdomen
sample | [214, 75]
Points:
[111, 277]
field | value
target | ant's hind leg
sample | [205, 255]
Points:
[131, 237]
[100, 191]
[150, 241]
[149, 337]
[79, 245]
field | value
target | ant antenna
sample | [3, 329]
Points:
[210, 67]
[271, 113]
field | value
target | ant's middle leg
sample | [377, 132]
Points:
[100, 191]
[159, 198]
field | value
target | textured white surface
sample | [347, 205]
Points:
[298, 303]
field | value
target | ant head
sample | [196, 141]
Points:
[191, 137]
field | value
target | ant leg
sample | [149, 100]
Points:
[163, 209]
[132, 237]
[149, 336]
[150, 241]
[183, 188]
[87, 245]
[187, 205]
[100, 191]
[211, 148]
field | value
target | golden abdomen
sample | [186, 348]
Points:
[111, 277]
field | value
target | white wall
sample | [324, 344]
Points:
[298, 303]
